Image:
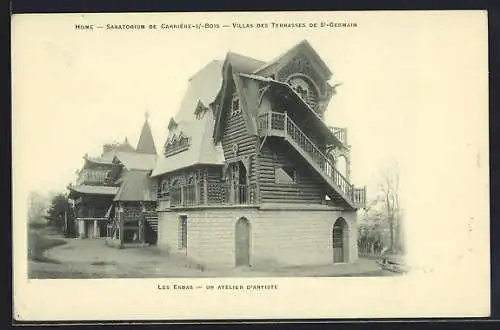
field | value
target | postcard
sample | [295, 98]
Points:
[258, 165]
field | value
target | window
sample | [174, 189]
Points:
[176, 144]
[183, 232]
[176, 192]
[302, 92]
[285, 175]
[235, 105]
[164, 189]
[303, 88]
[200, 110]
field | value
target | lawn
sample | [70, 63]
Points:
[40, 240]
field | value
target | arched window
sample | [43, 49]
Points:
[301, 87]
[165, 189]
[341, 165]
[305, 89]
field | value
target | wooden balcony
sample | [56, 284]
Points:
[280, 125]
[340, 134]
[209, 194]
[94, 177]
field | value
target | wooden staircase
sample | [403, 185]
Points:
[152, 220]
[279, 124]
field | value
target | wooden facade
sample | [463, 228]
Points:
[109, 193]
[257, 150]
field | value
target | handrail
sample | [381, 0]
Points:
[337, 177]
[340, 133]
[215, 193]
[94, 176]
[281, 121]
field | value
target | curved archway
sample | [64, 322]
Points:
[341, 165]
[305, 87]
[242, 242]
[330, 164]
[340, 241]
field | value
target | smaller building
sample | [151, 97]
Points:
[113, 195]
[133, 219]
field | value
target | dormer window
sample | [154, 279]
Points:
[235, 105]
[200, 110]
[176, 144]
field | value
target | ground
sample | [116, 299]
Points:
[58, 257]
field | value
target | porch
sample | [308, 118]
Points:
[210, 194]
[93, 227]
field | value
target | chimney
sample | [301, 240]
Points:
[106, 148]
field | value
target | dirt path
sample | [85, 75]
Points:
[93, 259]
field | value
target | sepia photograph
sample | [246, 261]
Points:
[244, 146]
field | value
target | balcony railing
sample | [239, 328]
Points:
[212, 194]
[280, 124]
[94, 177]
[340, 134]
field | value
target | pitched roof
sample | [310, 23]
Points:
[202, 89]
[136, 161]
[146, 142]
[108, 156]
[203, 86]
[285, 88]
[202, 149]
[304, 45]
[97, 160]
[136, 186]
[242, 63]
[94, 190]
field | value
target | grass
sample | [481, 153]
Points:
[39, 240]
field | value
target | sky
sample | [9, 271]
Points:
[75, 90]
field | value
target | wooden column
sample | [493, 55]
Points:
[120, 222]
[197, 188]
[81, 228]
[284, 124]
[205, 188]
[96, 229]
[141, 223]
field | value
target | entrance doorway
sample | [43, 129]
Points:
[340, 240]
[238, 183]
[242, 242]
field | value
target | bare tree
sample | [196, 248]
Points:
[389, 188]
[37, 205]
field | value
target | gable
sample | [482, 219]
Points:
[146, 144]
[233, 65]
[302, 66]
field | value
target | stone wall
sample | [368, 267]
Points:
[277, 235]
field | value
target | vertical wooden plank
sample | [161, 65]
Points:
[120, 223]
[205, 190]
